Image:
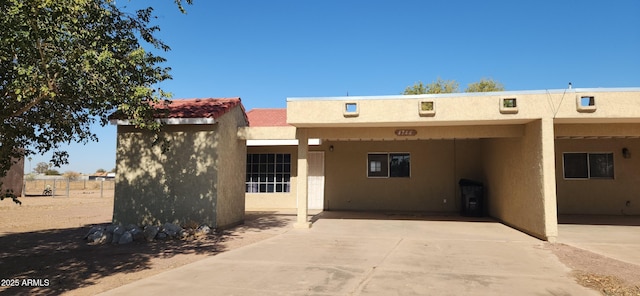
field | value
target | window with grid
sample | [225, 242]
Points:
[268, 172]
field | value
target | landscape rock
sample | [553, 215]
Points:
[118, 231]
[162, 236]
[150, 232]
[93, 230]
[118, 234]
[131, 226]
[97, 237]
[137, 234]
[108, 238]
[111, 227]
[172, 230]
[125, 238]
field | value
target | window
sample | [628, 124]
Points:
[378, 165]
[383, 165]
[268, 172]
[601, 165]
[588, 165]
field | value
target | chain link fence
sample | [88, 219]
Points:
[64, 187]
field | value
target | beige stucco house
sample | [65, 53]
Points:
[193, 171]
[537, 153]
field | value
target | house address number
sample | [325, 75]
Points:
[406, 132]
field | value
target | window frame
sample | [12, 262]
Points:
[589, 164]
[386, 166]
[268, 173]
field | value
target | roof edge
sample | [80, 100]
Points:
[169, 121]
[474, 94]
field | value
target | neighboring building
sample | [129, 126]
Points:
[14, 179]
[192, 172]
[538, 154]
[102, 176]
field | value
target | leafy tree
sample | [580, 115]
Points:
[66, 64]
[438, 86]
[485, 85]
[101, 170]
[41, 167]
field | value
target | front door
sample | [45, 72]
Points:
[316, 180]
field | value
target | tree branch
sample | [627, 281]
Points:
[49, 81]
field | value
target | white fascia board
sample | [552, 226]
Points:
[312, 142]
[169, 121]
[455, 95]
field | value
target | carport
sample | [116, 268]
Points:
[596, 167]
[510, 152]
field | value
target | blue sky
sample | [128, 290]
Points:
[266, 51]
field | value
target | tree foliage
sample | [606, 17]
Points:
[67, 64]
[41, 167]
[440, 86]
[52, 172]
[485, 85]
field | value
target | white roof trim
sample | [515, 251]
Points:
[169, 121]
[454, 95]
[294, 142]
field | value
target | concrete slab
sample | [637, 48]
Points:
[616, 237]
[375, 257]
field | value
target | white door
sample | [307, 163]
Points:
[316, 180]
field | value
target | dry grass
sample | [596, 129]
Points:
[601, 273]
[606, 284]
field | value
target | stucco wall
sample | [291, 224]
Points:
[611, 105]
[231, 163]
[514, 182]
[434, 176]
[175, 186]
[600, 196]
[14, 179]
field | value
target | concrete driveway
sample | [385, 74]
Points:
[363, 256]
[616, 237]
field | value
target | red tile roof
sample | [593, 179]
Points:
[200, 108]
[195, 108]
[267, 117]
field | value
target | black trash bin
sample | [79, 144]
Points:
[472, 193]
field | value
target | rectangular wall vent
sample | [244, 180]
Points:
[508, 105]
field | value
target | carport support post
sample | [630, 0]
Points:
[302, 188]
[549, 179]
